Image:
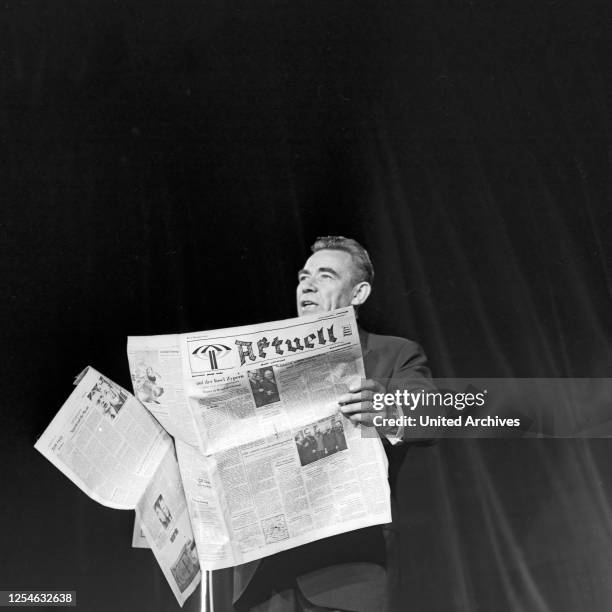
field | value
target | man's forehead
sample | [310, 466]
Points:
[329, 258]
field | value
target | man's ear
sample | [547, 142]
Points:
[361, 292]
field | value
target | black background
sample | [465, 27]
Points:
[167, 164]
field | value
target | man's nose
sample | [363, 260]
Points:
[307, 286]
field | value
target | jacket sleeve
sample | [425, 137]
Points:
[411, 374]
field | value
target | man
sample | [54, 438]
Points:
[309, 446]
[269, 387]
[299, 443]
[318, 436]
[255, 379]
[329, 441]
[338, 432]
[351, 571]
[162, 511]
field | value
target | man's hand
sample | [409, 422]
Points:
[359, 407]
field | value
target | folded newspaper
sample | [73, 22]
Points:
[266, 461]
[105, 441]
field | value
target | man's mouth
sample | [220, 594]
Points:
[306, 304]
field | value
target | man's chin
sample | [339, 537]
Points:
[304, 311]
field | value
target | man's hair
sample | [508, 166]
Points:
[361, 259]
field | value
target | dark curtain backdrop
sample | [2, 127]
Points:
[165, 166]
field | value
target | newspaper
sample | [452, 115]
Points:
[139, 539]
[107, 443]
[164, 520]
[278, 466]
[157, 379]
[265, 461]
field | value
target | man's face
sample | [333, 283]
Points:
[325, 282]
[162, 505]
[160, 514]
[268, 374]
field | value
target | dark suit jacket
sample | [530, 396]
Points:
[346, 571]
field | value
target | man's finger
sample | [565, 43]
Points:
[361, 418]
[359, 407]
[366, 384]
[351, 398]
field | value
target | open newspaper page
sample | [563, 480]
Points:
[164, 519]
[105, 442]
[157, 379]
[207, 515]
[138, 537]
[285, 466]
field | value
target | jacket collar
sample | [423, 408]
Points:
[363, 339]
